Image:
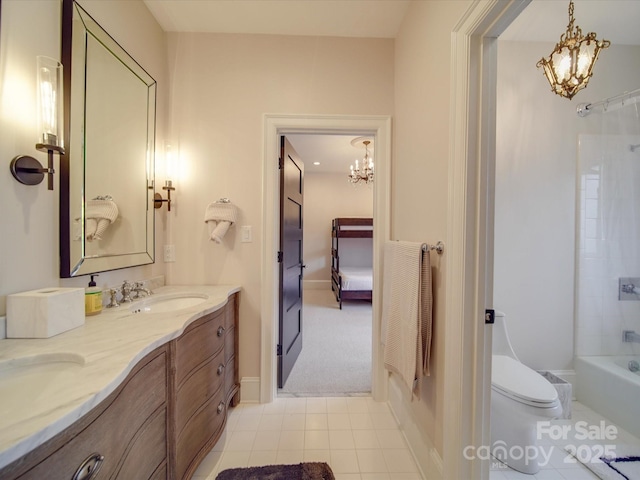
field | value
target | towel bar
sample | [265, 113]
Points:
[438, 247]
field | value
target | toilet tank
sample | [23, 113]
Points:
[501, 344]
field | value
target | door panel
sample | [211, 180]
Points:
[291, 260]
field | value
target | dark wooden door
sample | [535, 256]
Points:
[290, 260]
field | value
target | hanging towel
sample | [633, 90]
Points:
[99, 215]
[406, 311]
[220, 216]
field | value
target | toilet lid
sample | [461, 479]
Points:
[521, 383]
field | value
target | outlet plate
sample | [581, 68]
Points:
[169, 253]
[629, 289]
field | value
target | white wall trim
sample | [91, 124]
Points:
[274, 125]
[469, 242]
[250, 390]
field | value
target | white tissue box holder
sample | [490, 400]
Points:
[45, 312]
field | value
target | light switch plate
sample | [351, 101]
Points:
[245, 234]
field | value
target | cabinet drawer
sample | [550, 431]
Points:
[118, 428]
[197, 389]
[200, 341]
[148, 450]
[196, 439]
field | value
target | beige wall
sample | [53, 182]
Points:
[222, 86]
[420, 177]
[327, 196]
[29, 245]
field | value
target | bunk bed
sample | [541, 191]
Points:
[351, 261]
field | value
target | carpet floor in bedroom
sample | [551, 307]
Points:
[336, 348]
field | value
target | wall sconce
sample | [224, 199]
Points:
[570, 65]
[27, 170]
[168, 184]
[157, 198]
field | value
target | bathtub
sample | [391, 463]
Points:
[606, 385]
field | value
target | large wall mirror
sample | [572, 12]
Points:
[106, 184]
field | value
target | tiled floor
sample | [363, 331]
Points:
[360, 440]
[355, 435]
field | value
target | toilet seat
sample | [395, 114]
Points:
[522, 384]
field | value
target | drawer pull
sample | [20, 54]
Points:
[220, 369]
[220, 407]
[220, 330]
[89, 468]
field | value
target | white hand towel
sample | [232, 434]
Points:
[99, 215]
[217, 230]
[219, 217]
[406, 311]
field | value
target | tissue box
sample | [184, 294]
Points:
[44, 313]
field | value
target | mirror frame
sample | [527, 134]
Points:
[83, 264]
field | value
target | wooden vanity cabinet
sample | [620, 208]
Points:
[206, 382]
[128, 429]
[161, 421]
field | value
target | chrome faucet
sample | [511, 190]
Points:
[630, 336]
[138, 288]
[126, 292]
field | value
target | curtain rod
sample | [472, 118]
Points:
[585, 109]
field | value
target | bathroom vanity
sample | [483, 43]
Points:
[145, 397]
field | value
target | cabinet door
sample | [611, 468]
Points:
[130, 432]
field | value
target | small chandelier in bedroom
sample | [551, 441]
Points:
[570, 65]
[363, 171]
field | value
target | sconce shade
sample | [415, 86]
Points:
[570, 65]
[25, 169]
[50, 111]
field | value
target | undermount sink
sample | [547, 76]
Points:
[168, 303]
[26, 379]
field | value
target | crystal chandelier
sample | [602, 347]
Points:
[363, 172]
[570, 65]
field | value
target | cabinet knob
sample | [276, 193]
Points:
[220, 369]
[89, 468]
[220, 331]
[220, 407]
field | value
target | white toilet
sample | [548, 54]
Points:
[520, 397]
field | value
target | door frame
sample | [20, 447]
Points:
[469, 282]
[378, 126]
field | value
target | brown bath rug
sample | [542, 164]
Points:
[302, 471]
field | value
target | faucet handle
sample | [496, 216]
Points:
[114, 302]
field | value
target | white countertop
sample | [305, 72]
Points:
[105, 349]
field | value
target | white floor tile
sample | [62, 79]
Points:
[365, 439]
[371, 461]
[291, 440]
[344, 461]
[339, 421]
[357, 437]
[341, 440]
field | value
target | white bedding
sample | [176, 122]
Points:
[357, 278]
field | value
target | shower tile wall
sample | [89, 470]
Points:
[608, 243]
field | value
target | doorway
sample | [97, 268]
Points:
[378, 127]
[337, 336]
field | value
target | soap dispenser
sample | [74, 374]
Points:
[92, 298]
